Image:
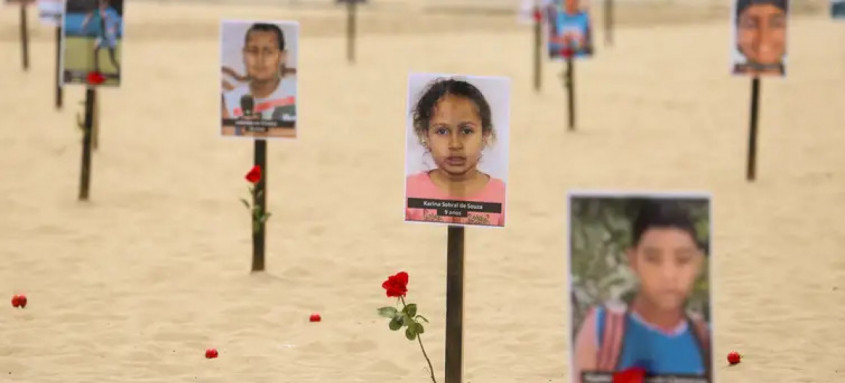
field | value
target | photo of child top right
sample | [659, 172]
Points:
[759, 43]
[640, 286]
[837, 9]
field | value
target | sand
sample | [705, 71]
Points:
[135, 284]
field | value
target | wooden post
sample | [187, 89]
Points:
[454, 304]
[570, 88]
[351, 6]
[95, 127]
[608, 22]
[259, 200]
[751, 171]
[85, 174]
[538, 47]
[24, 38]
[58, 66]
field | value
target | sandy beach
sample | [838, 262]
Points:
[135, 284]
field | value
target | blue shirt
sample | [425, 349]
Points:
[657, 352]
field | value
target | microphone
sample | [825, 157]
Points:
[247, 105]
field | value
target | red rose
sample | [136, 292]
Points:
[16, 301]
[567, 52]
[537, 15]
[254, 174]
[22, 300]
[734, 357]
[631, 375]
[96, 78]
[211, 353]
[315, 318]
[396, 285]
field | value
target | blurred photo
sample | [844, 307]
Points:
[639, 283]
[569, 29]
[837, 9]
[92, 42]
[760, 37]
[50, 11]
[456, 154]
[258, 78]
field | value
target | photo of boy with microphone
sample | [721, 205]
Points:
[258, 85]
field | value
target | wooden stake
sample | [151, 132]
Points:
[259, 200]
[24, 38]
[454, 304]
[751, 170]
[58, 66]
[570, 88]
[85, 174]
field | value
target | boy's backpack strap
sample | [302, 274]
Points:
[611, 338]
[702, 336]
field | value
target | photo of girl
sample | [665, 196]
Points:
[760, 37]
[460, 124]
[639, 285]
[258, 78]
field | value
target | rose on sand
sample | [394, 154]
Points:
[396, 285]
[95, 78]
[315, 318]
[734, 357]
[211, 353]
[631, 375]
[19, 301]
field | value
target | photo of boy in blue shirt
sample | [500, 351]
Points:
[570, 29]
[654, 328]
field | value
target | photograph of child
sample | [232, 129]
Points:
[50, 12]
[639, 283]
[569, 29]
[759, 28]
[92, 40]
[456, 154]
[258, 78]
[837, 9]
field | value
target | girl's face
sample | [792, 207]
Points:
[262, 56]
[454, 136]
[667, 262]
[761, 33]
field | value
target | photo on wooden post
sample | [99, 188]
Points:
[92, 41]
[759, 37]
[50, 12]
[640, 285]
[837, 9]
[456, 149]
[258, 87]
[569, 29]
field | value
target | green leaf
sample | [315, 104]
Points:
[420, 328]
[265, 217]
[395, 323]
[388, 312]
[411, 332]
[246, 203]
[423, 318]
[410, 309]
